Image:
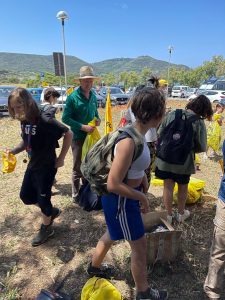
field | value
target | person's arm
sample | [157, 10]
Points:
[200, 137]
[67, 139]
[19, 148]
[67, 118]
[120, 166]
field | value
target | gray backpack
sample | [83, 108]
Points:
[97, 163]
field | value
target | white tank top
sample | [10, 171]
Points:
[138, 167]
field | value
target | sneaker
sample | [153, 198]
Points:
[55, 213]
[105, 271]
[169, 219]
[44, 233]
[152, 294]
[181, 218]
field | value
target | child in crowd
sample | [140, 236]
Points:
[50, 98]
[39, 139]
[122, 204]
[214, 283]
[214, 131]
[180, 173]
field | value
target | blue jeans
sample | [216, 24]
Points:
[36, 188]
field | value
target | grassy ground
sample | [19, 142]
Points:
[25, 270]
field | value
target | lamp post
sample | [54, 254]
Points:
[170, 49]
[62, 15]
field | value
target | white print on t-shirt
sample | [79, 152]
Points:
[30, 129]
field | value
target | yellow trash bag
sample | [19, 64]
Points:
[100, 289]
[195, 189]
[214, 135]
[90, 139]
[8, 162]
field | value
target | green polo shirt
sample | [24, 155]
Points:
[78, 111]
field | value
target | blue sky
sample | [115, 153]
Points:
[105, 29]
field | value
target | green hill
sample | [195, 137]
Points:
[31, 63]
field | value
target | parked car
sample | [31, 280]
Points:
[180, 91]
[117, 96]
[214, 96]
[191, 91]
[100, 99]
[36, 94]
[5, 90]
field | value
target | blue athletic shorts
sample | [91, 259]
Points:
[123, 217]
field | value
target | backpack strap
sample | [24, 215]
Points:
[137, 138]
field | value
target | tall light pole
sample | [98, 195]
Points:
[62, 15]
[170, 49]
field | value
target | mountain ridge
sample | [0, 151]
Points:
[22, 62]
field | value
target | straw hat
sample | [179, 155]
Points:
[87, 72]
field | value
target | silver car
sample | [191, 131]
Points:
[117, 96]
[5, 90]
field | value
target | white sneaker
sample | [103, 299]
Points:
[169, 219]
[181, 218]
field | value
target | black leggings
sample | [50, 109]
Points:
[36, 188]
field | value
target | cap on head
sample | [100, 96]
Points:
[51, 92]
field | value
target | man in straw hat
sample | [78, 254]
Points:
[80, 109]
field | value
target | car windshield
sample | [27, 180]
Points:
[116, 91]
[5, 91]
[176, 88]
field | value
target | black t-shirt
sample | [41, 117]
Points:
[41, 140]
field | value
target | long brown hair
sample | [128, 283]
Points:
[22, 96]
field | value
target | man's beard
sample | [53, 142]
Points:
[20, 116]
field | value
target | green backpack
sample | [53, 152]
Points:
[97, 163]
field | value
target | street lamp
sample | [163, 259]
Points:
[62, 15]
[170, 49]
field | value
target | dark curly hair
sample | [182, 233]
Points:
[147, 104]
[202, 106]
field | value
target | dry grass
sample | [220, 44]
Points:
[25, 270]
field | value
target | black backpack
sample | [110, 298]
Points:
[176, 139]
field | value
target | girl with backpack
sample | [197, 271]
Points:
[39, 139]
[196, 110]
[151, 135]
[127, 186]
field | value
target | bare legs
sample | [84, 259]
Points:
[168, 196]
[138, 259]
[139, 263]
[101, 249]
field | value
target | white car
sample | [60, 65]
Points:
[213, 95]
[61, 100]
[180, 91]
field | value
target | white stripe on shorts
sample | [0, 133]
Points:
[123, 218]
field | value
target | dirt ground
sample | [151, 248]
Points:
[25, 270]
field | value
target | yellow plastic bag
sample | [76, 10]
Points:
[195, 189]
[90, 139]
[100, 289]
[8, 162]
[214, 135]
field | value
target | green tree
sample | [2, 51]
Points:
[144, 76]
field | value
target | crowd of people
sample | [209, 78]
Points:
[128, 181]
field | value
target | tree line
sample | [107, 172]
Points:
[192, 77]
